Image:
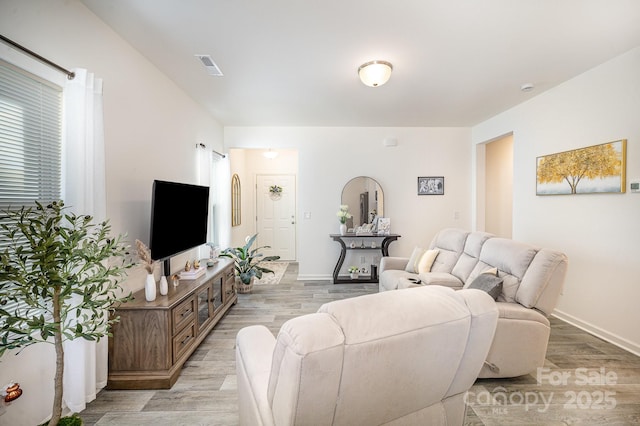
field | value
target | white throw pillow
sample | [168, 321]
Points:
[492, 271]
[412, 266]
[426, 261]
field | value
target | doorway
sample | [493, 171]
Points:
[498, 186]
[275, 214]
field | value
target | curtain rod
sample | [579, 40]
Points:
[70, 74]
[203, 146]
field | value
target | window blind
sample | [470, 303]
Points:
[30, 138]
[30, 145]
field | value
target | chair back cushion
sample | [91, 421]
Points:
[450, 242]
[469, 257]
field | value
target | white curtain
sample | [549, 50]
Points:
[221, 175]
[85, 370]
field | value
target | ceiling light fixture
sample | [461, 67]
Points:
[270, 154]
[375, 73]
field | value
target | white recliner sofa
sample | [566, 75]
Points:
[394, 358]
[532, 280]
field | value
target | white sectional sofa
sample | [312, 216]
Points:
[532, 279]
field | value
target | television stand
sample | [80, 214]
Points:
[153, 340]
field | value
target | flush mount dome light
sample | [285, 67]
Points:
[375, 73]
[270, 154]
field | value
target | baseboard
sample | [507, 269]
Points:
[322, 277]
[614, 339]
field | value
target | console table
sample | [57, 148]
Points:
[153, 340]
[384, 248]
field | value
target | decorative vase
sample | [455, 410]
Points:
[354, 275]
[343, 229]
[164, 286]
[150, 288]
[242, 287]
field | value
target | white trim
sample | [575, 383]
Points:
[322, 277]
[614, 339]
[29, 64]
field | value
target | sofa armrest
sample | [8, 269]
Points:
[388, 262]
[254, 352]
[441, 278]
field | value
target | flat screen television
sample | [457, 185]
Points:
[179, 216]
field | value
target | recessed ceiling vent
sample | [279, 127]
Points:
[212, 68]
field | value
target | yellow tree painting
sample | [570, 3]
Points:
[594, 169]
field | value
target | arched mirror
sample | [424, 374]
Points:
[365, 199]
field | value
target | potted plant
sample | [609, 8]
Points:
[56, 266]
[343, 214]
[246, 263]
[354, 272]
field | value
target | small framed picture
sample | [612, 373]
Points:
[431, 185]
[384, 226]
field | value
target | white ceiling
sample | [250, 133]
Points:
[294, 62]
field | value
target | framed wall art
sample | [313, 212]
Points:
[594, 169]
[384, 226]
[431, 185]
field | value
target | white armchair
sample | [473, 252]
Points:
[403, 357]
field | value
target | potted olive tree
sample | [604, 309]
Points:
[57, 266]
[246, 263]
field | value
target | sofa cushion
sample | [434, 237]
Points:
[512, 259]
[450, 242]
[416, 255]
[470, 254]
[488, 282]
[542, 283]
[426, 261]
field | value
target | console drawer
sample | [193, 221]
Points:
[183, 314]
[183, 341]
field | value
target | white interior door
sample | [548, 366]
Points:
[275, 216]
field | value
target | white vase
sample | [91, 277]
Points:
[150, 288]
[354, 275]
[343, 229]
[164, 286]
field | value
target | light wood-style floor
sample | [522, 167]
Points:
[586, 381]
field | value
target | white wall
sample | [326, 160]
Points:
[599, 232]
[328, 157]
[151, 128]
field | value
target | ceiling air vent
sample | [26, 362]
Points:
[212, 68]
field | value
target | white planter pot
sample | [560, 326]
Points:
[343, 229]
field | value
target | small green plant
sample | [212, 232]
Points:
[246, 260]
[343, 214]
[354, 269]
[57, 266]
